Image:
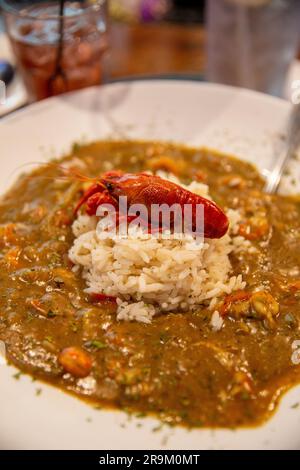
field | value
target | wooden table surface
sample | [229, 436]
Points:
[155, 48]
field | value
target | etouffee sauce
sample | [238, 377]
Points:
[176, 368]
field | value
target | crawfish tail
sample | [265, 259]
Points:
[215, 223]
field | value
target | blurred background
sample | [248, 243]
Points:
[48, 48]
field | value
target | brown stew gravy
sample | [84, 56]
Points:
[176, 368]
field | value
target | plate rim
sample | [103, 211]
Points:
[33, 107]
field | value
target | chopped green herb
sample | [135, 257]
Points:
[185, 402]
[198, 423]
[59, 282]
[128, 411]
[245, 396]
[289, 318]
[51, 314]
[17, 375]
[295, 405]
[75, 147]
[49, 339]
[158, 428]
[54, 259]
[38, 392]
[74, 327]
[164, 338]
[95, 344]
[183, 414]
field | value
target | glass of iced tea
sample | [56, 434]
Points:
[59, 46]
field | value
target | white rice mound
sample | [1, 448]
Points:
[148, 275]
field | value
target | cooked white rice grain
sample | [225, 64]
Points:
[216, 321]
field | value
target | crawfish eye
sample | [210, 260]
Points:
[109, 186]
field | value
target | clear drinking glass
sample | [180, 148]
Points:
[251, 43]
[57, 53]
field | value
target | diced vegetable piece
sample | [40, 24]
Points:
[167, 164]
[261, 305]
[242, 384]
[63, 276]
[200, 175]
[265, 306]
[232, 181]
[102, 298]
[12, 257]
[236, 304]
[294, 286]
[36, 305]
[75, 361]
[62, 218]
[255, 228]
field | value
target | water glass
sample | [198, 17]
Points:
[57, 50]
[251, 43]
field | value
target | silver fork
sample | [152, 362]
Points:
[292, 144]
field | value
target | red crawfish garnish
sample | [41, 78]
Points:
[145, 189]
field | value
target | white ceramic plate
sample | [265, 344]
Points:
[237, 121]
